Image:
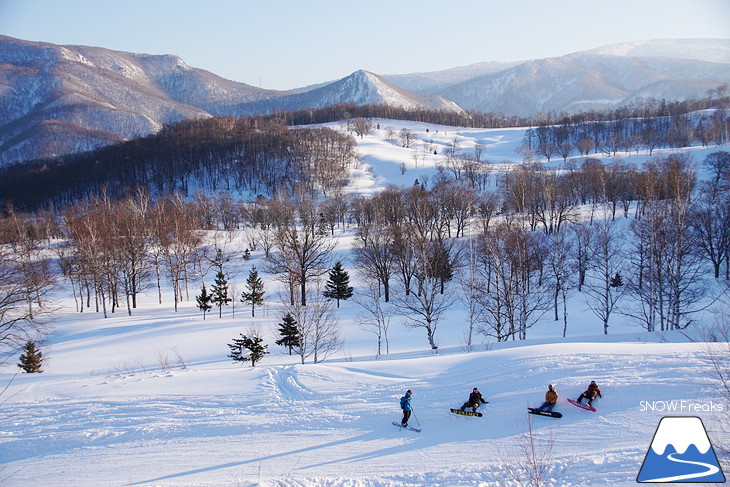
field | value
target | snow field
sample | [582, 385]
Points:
[329, 424]
[106, 412]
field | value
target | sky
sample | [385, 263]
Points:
[284, 44]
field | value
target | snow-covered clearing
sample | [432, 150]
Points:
[107, 412]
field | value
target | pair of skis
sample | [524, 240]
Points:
[417, 430]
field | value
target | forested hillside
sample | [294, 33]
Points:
[516, 239]
[260, 155]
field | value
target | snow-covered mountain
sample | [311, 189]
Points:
[433, 82]
[61, 99]
[359, 88]
[599, 79]
[710, 50]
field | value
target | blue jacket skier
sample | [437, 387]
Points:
[405, 405]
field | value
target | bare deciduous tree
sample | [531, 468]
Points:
[533, 465]
[668, 287]
[428, 297]
[604, 286]
[513, 296]
[303, 250]
[18, 322]
[406, 136]
[374, 255]
[375, 316]
[561, 266]
[317, 326]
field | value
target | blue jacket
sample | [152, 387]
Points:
[405, 403]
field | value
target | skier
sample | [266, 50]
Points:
[475, 400]
[405, 405]
[590, 393]
[551, 399]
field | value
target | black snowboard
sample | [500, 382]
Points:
[551, 414]
[465, 413]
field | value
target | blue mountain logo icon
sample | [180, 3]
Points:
[680, 452]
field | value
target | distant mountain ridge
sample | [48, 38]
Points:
[61, 99]
[709, 50]
[360, 88]
[584, 81]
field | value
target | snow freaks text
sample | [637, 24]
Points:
[681, 406]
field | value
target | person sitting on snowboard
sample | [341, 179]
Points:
[551, 399]
[590, 393]
[475, 400]
[405, 405]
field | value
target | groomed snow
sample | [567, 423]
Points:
[106, 413]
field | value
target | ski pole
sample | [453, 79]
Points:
[415, 417]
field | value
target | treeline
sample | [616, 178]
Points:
[250, 155]
[640, 108]
[645, 243]
[627, 135]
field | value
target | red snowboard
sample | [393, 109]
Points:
[582, 406]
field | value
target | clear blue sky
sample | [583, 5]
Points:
[282, 44]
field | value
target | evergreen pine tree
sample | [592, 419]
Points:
[254, 293]
[441, 267]
[322, 225]
[256, 350]
[289, 333]
[338, 284]
[32, 360]
[204, 299]
[219, 292]
[617, 281]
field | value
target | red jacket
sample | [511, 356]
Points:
[593, 391]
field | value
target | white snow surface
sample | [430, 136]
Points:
[106, 412]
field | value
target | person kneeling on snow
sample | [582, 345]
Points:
[590, 393]
[475, 400]
[551, 399]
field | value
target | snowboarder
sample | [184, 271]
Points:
[405, 405]
[551, 399]
[475, 400]
[590, 393]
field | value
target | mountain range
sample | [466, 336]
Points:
[61, 99]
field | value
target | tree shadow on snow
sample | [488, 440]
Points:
[370, 436]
